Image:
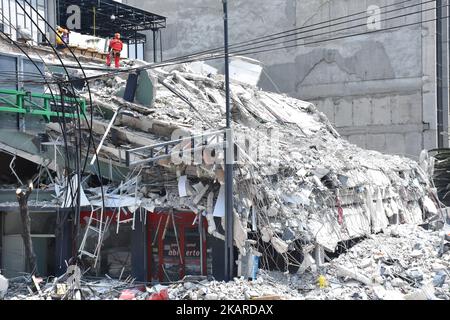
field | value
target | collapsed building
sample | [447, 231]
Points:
[128, 173]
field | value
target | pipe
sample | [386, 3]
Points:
[105, 135]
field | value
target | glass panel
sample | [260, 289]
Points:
[12, 19]
[6, 16]
[192, 252]
[132, 51]
[155, 263]
[171, 254]
[30, 71]
[141, 51]
[41, 223]
[8, 71]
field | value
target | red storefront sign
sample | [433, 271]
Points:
[174, 248]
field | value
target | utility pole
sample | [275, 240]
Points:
[154, 30]
[229, 159]
[442, 72]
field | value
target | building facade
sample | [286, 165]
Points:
[13, 19]
[389, 104]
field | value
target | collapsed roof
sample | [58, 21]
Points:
[297, 182]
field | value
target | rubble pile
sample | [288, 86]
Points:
[28, 287]
[403, 262]
[300, 192]
[310, 186]
[109, 289]
[239, 289]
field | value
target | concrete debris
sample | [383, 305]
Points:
[379, 267]
[309, 180]
[245, 70]
[427, 292]
[353, 274]
[239, 289]
[296, 180]
[4, 284]
[439, 279]
[298, 186]
[279, 245]
[388, 269]
[27, 288]
[382, 266]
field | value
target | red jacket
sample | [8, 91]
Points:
[116, 45]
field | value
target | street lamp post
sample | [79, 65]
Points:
[229, 159]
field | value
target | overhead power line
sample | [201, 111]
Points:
[267, 48]
[289, 32]
[300, 30]
[299, 45]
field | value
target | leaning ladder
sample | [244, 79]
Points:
[99, 227]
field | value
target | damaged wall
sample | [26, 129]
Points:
[387, 105]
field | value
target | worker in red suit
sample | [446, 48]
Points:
[115, 48]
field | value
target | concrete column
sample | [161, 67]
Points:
[51, 18]
[429, 94]
[442, 73]
[446, 70]
[139, 248]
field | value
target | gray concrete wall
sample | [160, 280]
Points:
[378, 89]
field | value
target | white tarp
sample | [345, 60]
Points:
[183, 186]
[69, 197]
[219, 208]
[117, 201]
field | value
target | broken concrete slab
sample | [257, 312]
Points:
[4, 284]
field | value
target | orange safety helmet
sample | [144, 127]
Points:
[117, 36]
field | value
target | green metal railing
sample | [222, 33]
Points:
[41, 104]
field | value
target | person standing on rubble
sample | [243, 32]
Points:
[62, 38]
[115, 48]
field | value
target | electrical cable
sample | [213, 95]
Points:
[89, 123]
[299, 30]
[164, 64]
[79, 124]
[40, 71]
[190, 58]
[248, 51]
